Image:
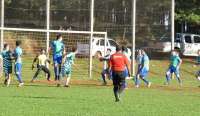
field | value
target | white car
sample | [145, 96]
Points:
[97, 46]
[189, 44]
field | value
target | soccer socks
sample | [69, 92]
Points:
[137, 81]
[19, 77]
[168, 78]
[116, 94]
[179, 79]
[145, 80]
[57, 70]
[103, 77]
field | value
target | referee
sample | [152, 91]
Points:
[118, 63]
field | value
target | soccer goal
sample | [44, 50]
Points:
[35, 39]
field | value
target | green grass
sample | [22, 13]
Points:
[40, 99]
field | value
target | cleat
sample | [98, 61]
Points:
[149, 85]
[67, 86]
[21, 84]
[137, 86]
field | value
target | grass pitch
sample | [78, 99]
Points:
[88, 98]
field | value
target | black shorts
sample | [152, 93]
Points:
[118, 78]
[8, 70]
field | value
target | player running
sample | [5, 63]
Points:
[18, 62]
[118, 62]
[42, 62]
[175, 63]
[105, 71]
[68, 61]
[7, 63]
[143, 69]
[58, 49]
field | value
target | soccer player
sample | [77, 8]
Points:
[18, 62]
[143, 70]
[117, 63]
[105, 71]
[139, 62]
[58, 49]
[7, 63]
[175, 63]
[42, 62]
[68, 61]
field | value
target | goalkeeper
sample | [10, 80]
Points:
[105, 71]
[42, 62]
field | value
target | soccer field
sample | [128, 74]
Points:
[88, 98]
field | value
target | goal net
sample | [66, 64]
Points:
[33, 40]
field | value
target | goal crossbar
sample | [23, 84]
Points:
[51, 31]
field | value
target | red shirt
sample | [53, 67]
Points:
[118, 62]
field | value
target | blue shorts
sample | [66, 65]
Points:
[173, 69]
[143, 72]
[57, 59]
[18, 68]
[126, 74]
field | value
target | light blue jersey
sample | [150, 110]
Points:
[58, 48]
[175, 61]
[67, 67]
[17, 54]
[145, 62]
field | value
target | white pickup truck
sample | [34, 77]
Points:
[97, 46]
[188, 44]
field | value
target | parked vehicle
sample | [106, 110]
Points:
[188, 44]
[98, 44]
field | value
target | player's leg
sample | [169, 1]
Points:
[36, 73]
[9, 75]
[168, 75]
[198, 75]
[103, 76]
[55, 65]
[6, 75]
[56, 70]
[137, 81]
[122, 82]
[18, 68]
[47, 71]
[143, 76]
[137, 77]
[59, 60]
[177, 73]
[67, 80]
[116, 86]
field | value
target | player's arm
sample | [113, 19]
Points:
[50, 48]
[48, 61]
[110, 64]
[34, 60]
[128, 65]
[180, 62]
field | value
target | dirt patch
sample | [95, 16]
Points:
[96, 83]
